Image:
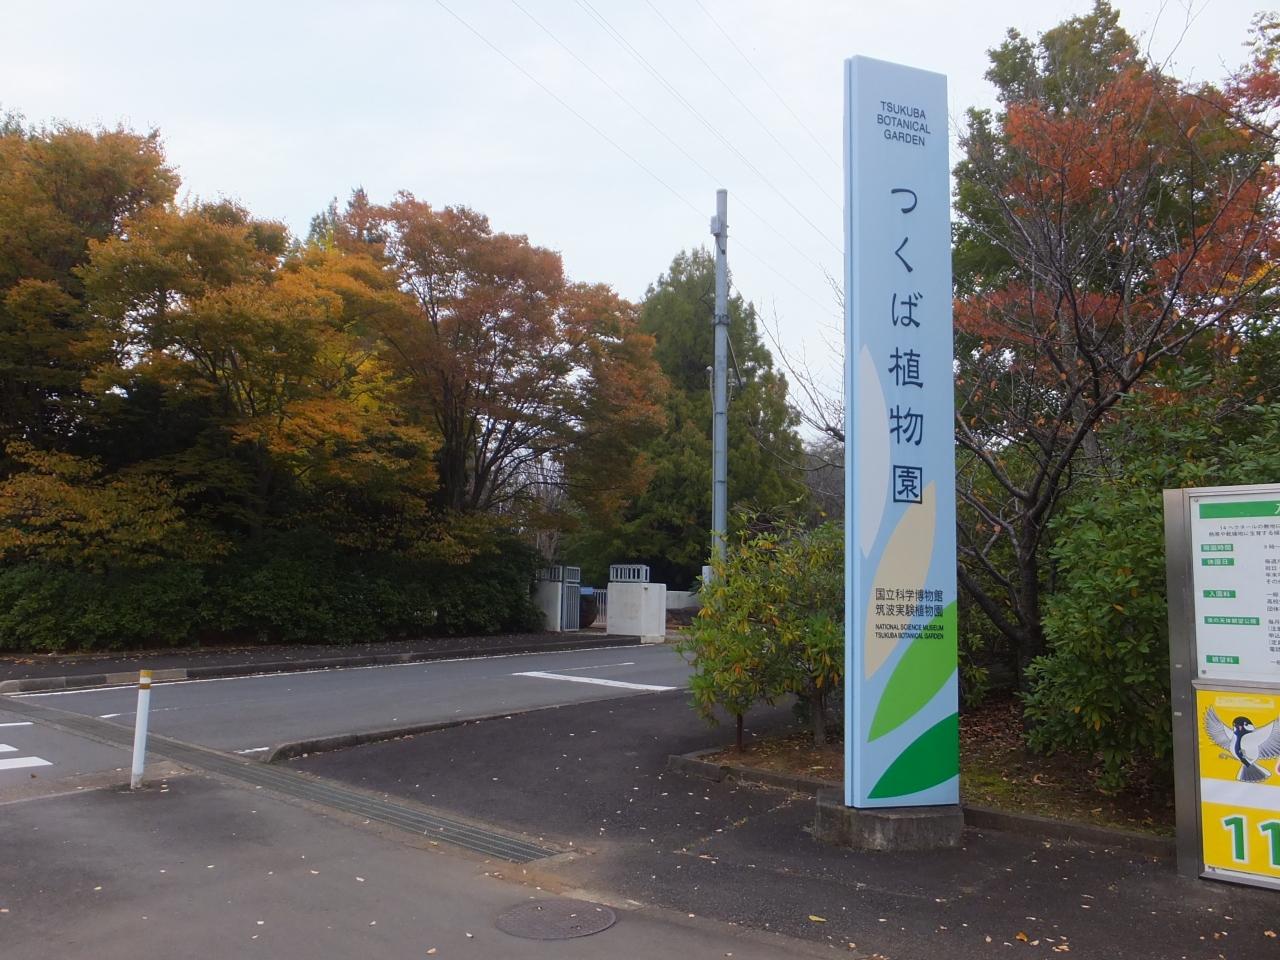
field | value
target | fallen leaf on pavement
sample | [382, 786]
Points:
[816, 919]
[1021, 936]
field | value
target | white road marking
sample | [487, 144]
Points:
[108, 716]
[254, 750]
[20, 723]
[599, 666]
[17, 763]
[596, 680]
[298, 673]
[5, 748]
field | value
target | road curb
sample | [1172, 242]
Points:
[693, 765]
[43, 684]
[300, 748]
[341, 741]
[1030, 825]
[979, 817]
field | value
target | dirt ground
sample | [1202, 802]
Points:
[996, 771]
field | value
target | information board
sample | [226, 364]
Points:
[1235, 544]
[1222, 563]
[901, 726]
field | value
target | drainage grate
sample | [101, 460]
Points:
[293, 784]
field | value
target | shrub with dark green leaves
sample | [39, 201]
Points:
[289, 588]
[772, 622]
[49, 609]
[1102, 689]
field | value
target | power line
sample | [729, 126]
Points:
[824, 307]
[560, 100]
[742, 103]
[613, 143]
[663, 133]
[657, 75]
[786, 106]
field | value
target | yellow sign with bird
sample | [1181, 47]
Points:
[1239, 747]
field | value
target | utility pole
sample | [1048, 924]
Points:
[720, 385]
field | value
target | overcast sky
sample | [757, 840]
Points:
[599, 128]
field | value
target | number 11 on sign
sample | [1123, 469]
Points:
[1238, 827]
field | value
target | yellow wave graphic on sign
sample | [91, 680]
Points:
[904, 566]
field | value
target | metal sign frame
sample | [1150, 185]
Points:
[1185, 681]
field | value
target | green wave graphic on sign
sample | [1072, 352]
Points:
[923, 669]
[932, 759]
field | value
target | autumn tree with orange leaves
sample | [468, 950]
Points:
[209, 429]
[530, 381]
[1109, 220]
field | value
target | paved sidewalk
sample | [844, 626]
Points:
[594, 775]
[198, 869]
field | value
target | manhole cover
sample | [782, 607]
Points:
[555, 919]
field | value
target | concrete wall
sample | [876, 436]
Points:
[637, 609]
[683, 600]
[547, 594]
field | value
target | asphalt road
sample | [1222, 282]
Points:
[28, 751]
[253, 714]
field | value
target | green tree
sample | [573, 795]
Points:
[668, 525]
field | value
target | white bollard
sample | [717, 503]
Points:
[140, 729]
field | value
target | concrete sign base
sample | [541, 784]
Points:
[887, 828]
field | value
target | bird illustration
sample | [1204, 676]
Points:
[1245, 742]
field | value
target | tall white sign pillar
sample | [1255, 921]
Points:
[901, 736]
